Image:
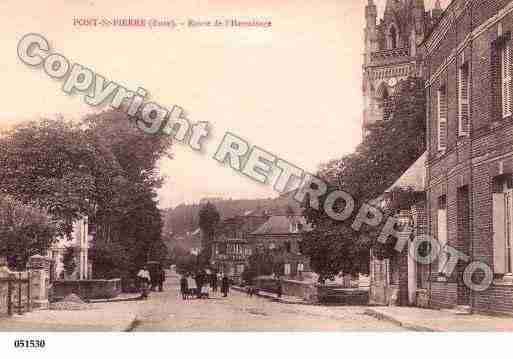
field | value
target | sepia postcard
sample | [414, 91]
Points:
[278, 166]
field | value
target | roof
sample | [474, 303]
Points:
[414, 177]
[280, 225]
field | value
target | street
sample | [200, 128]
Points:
[168, 312]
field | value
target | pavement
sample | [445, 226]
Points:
[98, 317]
[429, 320]
[285, 299]
[238, 312]
[167, 311]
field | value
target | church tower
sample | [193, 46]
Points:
[391, 52]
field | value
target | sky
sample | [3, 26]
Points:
[293, 89]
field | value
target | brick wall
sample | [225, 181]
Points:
[468, 190]
[498, 299]
[443, 294]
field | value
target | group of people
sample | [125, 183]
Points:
[151, 280]
[202, 283]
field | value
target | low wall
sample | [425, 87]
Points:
[87, 289]
[343, 296]
[294, 288]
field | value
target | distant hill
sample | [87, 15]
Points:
[184, 218]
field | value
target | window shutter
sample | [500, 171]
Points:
[510, 76]
[442, 120]
[499, 233]
[509, 238]
[506, 73]
[442, 238]
[464, 113]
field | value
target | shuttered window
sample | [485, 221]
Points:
[499, 233]
[463, 97]
[502, 226]
[506, 79]
[442, 238]
[442, 118]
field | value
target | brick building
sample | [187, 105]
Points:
[231, 248]
[400, 280]
[468, 68]
[281, 235]
[391, 56]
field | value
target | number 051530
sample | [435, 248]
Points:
[29, 343]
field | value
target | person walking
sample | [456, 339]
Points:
[225, 286]
[144, 281]
[213, 282]
[162, 279]
[199, 283]
[279, 288]
[190, 285]
[184, 287]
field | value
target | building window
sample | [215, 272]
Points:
[287, 269]
[463, 100]
[300, 267]
[222, 248]
[442, 232]
[506, 59]
[502, 225]
[240, 268]
[442, 118]
[287, 247]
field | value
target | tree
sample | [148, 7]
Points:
[68, 260]
[334, 252]
[102, 167]
[24, 231]
[389, 149]
[111, 260]
[208, 220]
[45, 165]
[187, 264]
[259, 263]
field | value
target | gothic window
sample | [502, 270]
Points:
[383, 100]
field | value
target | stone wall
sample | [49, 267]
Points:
[87, 289]
[304, 290]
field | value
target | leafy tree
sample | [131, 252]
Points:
[24, 231]
[261, 263]
[110, 260]
[45, 164]
[208, 220]
[68, 259]
[102, 166]
[187, 264]
[388, 150]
